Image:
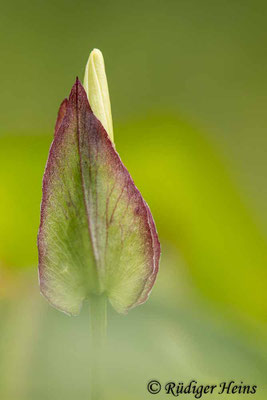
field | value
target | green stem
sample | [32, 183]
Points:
[98, 333]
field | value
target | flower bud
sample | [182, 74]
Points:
[96, 87]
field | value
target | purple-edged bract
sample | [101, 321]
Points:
[97, 233]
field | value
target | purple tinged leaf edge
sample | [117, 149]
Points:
[78, 98]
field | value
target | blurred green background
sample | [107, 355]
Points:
[188, 87]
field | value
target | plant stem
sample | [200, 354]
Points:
[98, 332]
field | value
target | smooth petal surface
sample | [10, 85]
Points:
[96, 233]
[96, 87]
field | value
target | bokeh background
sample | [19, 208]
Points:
[188, 86]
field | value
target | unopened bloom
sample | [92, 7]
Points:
[97, 235]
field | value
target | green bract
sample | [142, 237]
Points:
[97, 234]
